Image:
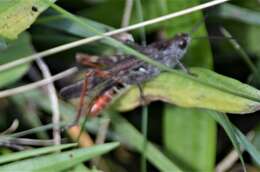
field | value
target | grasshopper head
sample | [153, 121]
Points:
[179, 45]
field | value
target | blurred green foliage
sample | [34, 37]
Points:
[188, 138]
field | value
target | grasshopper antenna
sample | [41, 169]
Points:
[213, 37]
[198, 25]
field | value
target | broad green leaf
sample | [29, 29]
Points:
[16, 49]
[34, 152]
[59, 161]
[216, 92]
[186, 141]
[17, 15]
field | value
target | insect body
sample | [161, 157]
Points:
[112, 74]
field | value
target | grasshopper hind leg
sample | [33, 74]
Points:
[82, 96]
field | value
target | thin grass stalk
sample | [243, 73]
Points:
[145, 140]
[240, 50]
[140, 17]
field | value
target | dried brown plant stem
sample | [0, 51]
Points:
[54, 102]
[28, 87]
[101, 137]
[232, 157]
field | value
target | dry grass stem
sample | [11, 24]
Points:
[21, 89]
[54, 102]
[231, 158]
[12, 128]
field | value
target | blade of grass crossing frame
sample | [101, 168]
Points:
[145, 107]
[61, 161]
[139, 10]
[239, 49]
[145, 139]
[249, 147]
[223, 120]
[34, 152]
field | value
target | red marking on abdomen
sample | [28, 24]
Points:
[101, 102]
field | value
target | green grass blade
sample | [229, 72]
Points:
[35, 130]
[59, 161]
[223, 120]
[248, 16]
[251, 149]
[240, 50]
[140, 17]
[34, 152]
[145, 140]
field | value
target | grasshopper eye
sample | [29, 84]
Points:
[182, 44]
